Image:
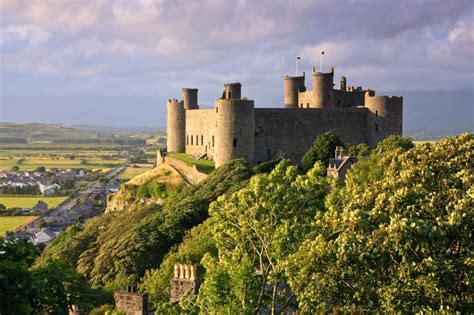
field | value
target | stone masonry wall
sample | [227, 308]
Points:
[200, 129]
[291, 132]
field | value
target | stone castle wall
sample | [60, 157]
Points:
[200, 131]
[235, 128]
[291, 132]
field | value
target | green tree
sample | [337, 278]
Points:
[360, 149]
[395, 240]
[255, 229]
[323, 148]
[50, 288]
[15, 168]
[395, 142]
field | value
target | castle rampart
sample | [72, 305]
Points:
[291, 132]
[234, 128]
[200, 132]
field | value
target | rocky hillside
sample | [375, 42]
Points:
[149, 188]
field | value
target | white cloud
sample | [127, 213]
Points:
[26, 32]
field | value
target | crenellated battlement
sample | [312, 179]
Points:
[184, 281]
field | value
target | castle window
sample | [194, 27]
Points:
[235, 142]
[187, 139]
[217, 109]
[376, 113]
[301, 106]
[376, 127]
[230, 95]
[202, 140]
[197, 140]
[401, 129]
[307, 105]
[213, 141]
[191, 140]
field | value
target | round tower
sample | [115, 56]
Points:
[323, 88]
[190, 98]
[292, 86]
[175, 126]
[235, 131]
[384, 118]
[232, 91]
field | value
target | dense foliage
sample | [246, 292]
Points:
[255, 229]
[322, 149]
[51, 288]
[397, 237]
[113, 249]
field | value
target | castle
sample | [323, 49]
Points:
[234, 128]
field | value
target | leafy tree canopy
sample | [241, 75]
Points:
[395, 240]
[255, 229]
[323, 148]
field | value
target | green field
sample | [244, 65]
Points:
[19, 201]
[131, 172]
[10, 223]
[31, 163]
[204, 165]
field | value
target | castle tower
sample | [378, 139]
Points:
[343, 84]
[235, 132]
[385, 117]
[323, 88]
[190, 98]
[232, 91]
[292, 86]
[175, 126]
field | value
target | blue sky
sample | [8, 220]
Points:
[116, 62]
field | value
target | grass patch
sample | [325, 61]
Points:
[10, 223]
[131, 172]
[204, 165]
[20, 201]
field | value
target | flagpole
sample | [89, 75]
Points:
[321, 61]
[297, 58]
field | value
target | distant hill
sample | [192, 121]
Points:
[35, 132]
[43, 132]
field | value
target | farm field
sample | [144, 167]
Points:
[131, 172]
[10, 223]
[20, 201]
[31, 163]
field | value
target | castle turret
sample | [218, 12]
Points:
[323, 88]
[293, 85]
[343, 84]
[385, 117]
[175, 126]
[235, 130]
[232, 91]
[190, 98]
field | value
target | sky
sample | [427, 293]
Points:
[116, 62]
